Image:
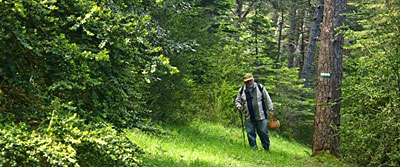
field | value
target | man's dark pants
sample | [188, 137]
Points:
[261, 127]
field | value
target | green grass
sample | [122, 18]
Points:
[207, 145]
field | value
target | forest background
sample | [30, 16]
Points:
[75, 73]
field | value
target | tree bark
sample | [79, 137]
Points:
[238, 12]
[299, 60]
[292, 38]
[256, 40]
[327, 115]
[306, 72]
[280, 39]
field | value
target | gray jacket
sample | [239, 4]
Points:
[259, 114]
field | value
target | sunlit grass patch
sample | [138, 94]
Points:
[206, 144]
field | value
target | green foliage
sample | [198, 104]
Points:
[203, 58]
[220, 88]
[68, 142]
[89, 59]
[93, 55]
[371, 94]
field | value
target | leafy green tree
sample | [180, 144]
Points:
[72, 70]
[93, 55]
[203, 58]
[370, 135]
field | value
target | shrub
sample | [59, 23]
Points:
[67, 142]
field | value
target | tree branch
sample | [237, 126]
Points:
[248, 10]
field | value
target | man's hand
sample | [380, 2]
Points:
[271, 113]
[240, 108]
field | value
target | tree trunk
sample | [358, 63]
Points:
[327, 115]
[306, 72]
[299, 60]
[292, 38]
[280, 39]
[238, 12]
[256, 40]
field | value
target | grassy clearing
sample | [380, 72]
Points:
[207, 145]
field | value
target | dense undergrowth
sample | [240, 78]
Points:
[67, 141]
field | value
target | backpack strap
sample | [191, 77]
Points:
[261, 88]
[241, 90]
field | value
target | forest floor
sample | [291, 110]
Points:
[207, 145]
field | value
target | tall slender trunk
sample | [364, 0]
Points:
[279, 39]
[238, 12]
[301, 45]
[306, 72]
[256, 40]
[327, 114]
[292, 38]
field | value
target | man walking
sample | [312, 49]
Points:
[252, 98]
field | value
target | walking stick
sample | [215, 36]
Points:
[241, 118]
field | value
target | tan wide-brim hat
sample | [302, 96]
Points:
[248, 77]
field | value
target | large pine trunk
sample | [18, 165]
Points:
[327, 114]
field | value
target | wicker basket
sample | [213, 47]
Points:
[274, 124]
